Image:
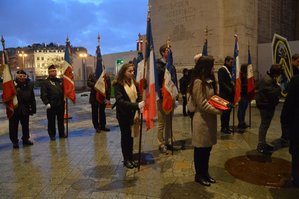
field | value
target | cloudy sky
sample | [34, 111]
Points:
[24, 22]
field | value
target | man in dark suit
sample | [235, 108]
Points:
[292, 118]
[53, 97]
[226, 91]
[26, 106]
[98, 108]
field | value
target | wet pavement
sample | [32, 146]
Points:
[89, 164]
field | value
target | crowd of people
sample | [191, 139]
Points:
[199, 83]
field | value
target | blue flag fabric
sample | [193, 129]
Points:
[236, 54]
[170, 68]
[99, 67]
[205, 48]
[68, 52]
[150, 46]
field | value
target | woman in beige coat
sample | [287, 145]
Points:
[204, 132]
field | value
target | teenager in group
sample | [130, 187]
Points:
[204, 131]
[128, 105]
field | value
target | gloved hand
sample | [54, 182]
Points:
[141, 105]
[230, 105]
[48, 106]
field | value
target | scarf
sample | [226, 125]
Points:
[132, 94]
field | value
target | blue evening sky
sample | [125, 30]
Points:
[24, 22]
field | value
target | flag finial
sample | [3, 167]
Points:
[99, 38]
[3, 42]
[206, 32]
[168, 42]
[149, 10]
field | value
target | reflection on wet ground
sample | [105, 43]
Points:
[89, 164]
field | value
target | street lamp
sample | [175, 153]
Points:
[83, 56]
[23, 55]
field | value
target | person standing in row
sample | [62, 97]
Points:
[243, 103]
[226, 91]
[164, 119]
[26, 106]
[204, 131]
[128, 104]
[266, 100]
[53, 97]
[284, 139]
[292, 118]
[184, 82]
[98, 108]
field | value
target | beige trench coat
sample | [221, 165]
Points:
[204, 132]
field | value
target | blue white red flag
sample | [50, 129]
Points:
[236, 72]
[101, 84]
[68, 76]
[250, 78]
[150, 93]
[9, 96]
[140, 72]
[169, 87]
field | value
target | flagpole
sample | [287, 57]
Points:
[141, 115]
[66, 119]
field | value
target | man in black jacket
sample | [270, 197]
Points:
[184, 82]
[26, 106]
[53, 97]
[226, 91]
[266, 100]
[98, 108]
[292, 118]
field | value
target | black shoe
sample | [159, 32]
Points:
[128, 164]
[27, 142]
[202, 181]
[98, 130]
[210, 179]
[63, 136]
[225, 132]
[264, 149]
[170, 147]
[105, 129]
[134, 163]
[52, 138]
[296, 184]
[15, 145]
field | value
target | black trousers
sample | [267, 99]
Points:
[52, 114]
[14, 125]
[295, 167]
[98, 115]
[184, 104]
[225, 116]
[201, 161]
[126, 140]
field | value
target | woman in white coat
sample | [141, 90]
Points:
[204, 132]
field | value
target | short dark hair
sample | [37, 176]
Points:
[295, 56]
[276, 69]
[163, 48]
[52, 67]
[228, 58]
[21, 72]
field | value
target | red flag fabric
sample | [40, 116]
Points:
[9, 96]
[68, 82]
[68, 76]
